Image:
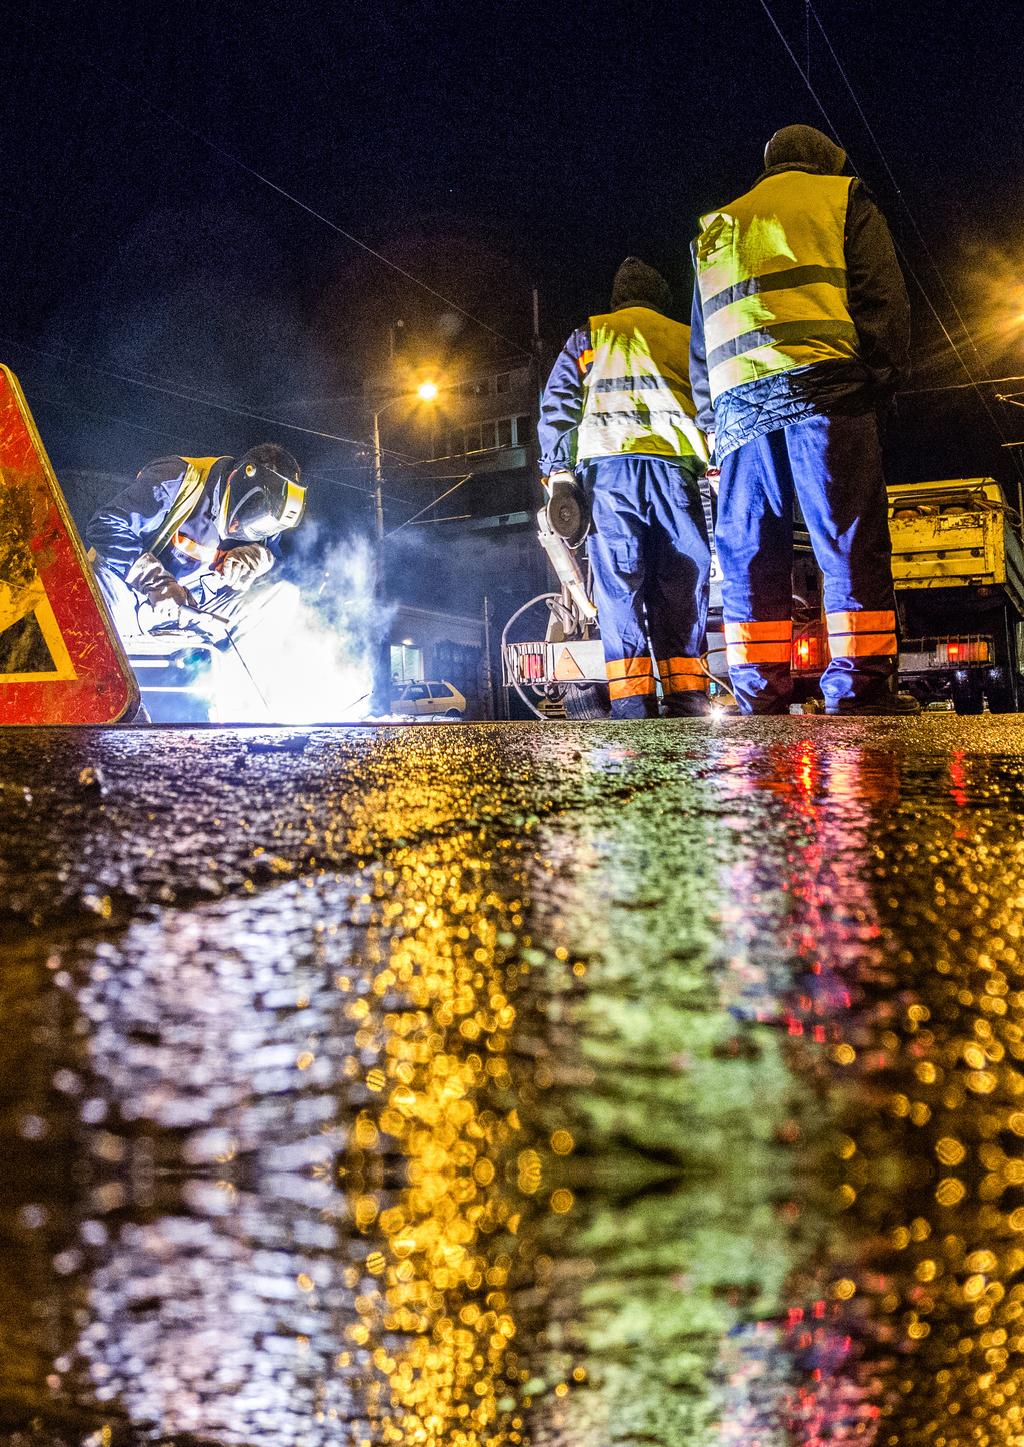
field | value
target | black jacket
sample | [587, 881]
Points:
[878, 303]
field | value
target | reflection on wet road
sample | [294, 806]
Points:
[566, 1085]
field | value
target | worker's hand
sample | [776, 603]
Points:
[240, 567]
[164, 597]
[560, 475]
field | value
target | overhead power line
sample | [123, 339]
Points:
[280, 190]
[199, 400]
[433, 503]
[961, 386]
[805, 77]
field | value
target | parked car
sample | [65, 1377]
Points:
[430, 697]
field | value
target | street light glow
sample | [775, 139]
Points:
[427, 391]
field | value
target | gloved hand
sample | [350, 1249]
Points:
[164, 597]
[241, 566]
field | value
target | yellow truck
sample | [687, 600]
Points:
[958, 566]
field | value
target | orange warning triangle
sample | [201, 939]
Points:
[567, 669]
[61, 661]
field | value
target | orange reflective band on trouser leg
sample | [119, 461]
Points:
[863, 634]
[681, 675]
[770, 642]
[629, 677]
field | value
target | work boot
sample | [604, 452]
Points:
[687, 705]
[893, 705]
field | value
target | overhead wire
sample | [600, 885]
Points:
[805, 77]
[201, 401]
[265, 180]
[176, 438]
[109, 417]
[433, 503]
[961, 386]
[922, 239]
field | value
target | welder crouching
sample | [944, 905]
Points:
[187, 549]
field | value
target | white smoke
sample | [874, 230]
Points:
[310, 660]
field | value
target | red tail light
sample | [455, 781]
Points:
[968, 650]
[806, 656]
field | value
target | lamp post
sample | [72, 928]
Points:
[380, 701]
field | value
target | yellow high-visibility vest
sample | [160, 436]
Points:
[190, 490]
[771, 270]
[637, 394]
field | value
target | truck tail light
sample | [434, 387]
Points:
[968, 650]
[806, 656]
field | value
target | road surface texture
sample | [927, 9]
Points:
[572, 1085]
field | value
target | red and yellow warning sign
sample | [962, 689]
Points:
[60, 659]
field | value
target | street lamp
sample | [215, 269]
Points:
[427, 391]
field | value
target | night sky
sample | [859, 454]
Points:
[483, 149]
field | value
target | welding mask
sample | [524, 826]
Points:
[263, 500]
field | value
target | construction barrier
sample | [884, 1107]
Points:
[61, 661]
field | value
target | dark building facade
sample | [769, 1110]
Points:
[478, 542]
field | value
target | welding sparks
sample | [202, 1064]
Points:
[309, 660]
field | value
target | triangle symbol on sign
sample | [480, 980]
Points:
[567, 669]
[32, 650]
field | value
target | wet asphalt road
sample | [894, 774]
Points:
[556, 1084]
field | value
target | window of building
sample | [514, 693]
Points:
[504, 429]
[502, 382]
[406, 663]
[524, 426]
[474, 439]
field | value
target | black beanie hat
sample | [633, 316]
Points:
[805, 145]
[637, 284]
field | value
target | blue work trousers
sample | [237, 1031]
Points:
[833, 466]
[651, 564]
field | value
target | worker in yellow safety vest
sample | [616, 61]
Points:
[800, 336]
[192, 535]
[617, 418]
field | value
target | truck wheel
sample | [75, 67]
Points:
[587, 701]
[1000, 697]
[967, 695]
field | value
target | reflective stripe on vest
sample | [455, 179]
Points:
[771, 271]
[636, 393]
[758, 642]
[190, 490]
[863, 634]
